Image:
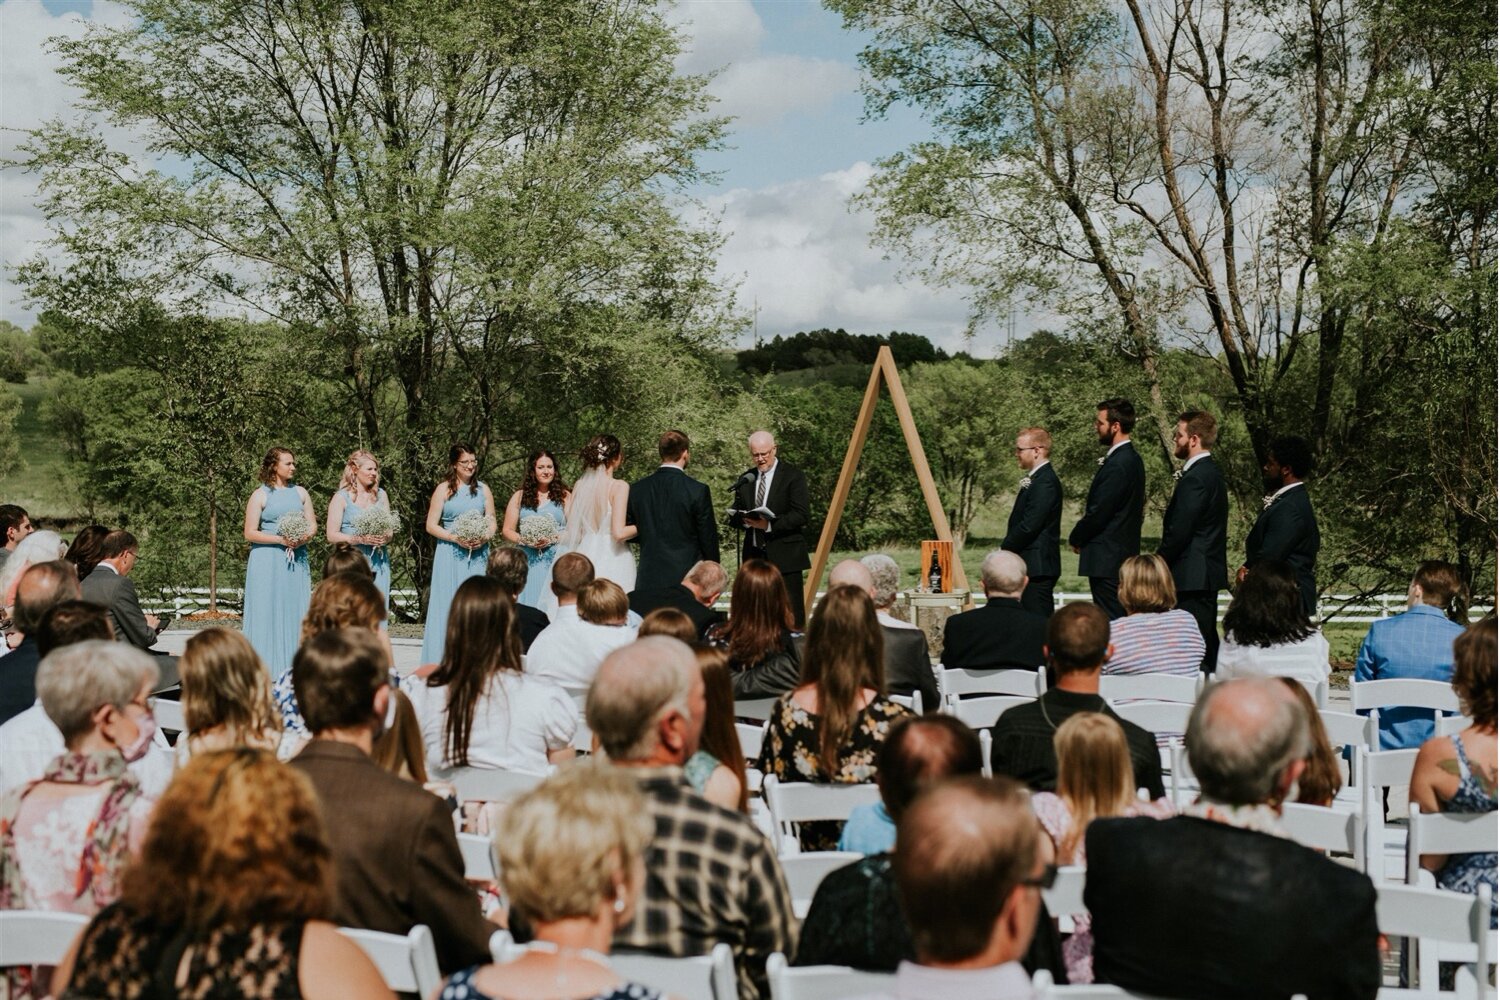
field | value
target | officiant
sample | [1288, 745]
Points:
[770, 503]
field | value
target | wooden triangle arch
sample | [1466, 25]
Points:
[885, 365]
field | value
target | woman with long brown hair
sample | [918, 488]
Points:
[478, 709]
[763, 657]
[831, 726]
[277, 579]
[226, 696]
[717, 770]
[457, 557]
[542, 496]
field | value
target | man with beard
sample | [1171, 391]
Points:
[1193, 529]
[1286, 530]
[1036, 519]
[1110, 530]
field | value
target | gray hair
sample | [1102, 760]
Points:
[635, 687]
[1242, 736]
[1003, 572]
[887, 576]
[73, 681]
[708, 575]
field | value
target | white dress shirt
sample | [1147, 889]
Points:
[30, 741]
[1189, 463]
[516, 722]
[922, 982]
[569, 651]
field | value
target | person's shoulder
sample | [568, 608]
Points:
[1019, 715]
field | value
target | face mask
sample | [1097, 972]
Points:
[142, 742]
[389, 721]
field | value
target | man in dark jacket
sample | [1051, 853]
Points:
[1193, 529]
[1035, 527]
[781, 488]
[1110, 530]
[508, 567]
[1002, 635]
[1286, 530]
[674, 517]
[42, 587]
[1215, 902]
[695, 596]
[110, 587]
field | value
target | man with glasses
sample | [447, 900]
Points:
[1035, 529]
[780, 488]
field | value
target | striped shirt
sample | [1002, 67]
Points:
[1150, 642]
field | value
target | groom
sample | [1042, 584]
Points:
[674, 517]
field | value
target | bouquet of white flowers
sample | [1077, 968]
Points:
[470, 527]
[293, 527]
[379, 521]
[536, 530]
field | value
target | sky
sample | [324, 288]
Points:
[785, 70]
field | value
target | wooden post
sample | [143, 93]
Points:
[885, 366]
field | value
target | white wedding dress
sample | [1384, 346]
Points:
[590, 530]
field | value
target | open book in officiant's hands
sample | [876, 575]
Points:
[761, 511]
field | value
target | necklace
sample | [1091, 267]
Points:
[1042, 704]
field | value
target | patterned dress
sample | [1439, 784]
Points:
[790, 752]
[460, 986]
[1467, 872]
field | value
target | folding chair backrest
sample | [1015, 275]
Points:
[37, 937]
[1447, 833]
[796, 802]
[1345, 729]
[981, 713]
[751, 737]
[961, 681]
[1043, 988]
[754, 708]
[407, 962]
[1156, 687]
[1438, 917]
[1403, 692]
[1066, 895]
[1385, 768]
[1326, 829]
[805, 872]
[169, 715]
[705, 977]
[822, 982]
[986, 750]
[1156, 716]
[487, 784]
[911, 701]
[480, 861]
[1450, 725]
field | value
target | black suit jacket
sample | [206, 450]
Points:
[532, 621]
[675, 519]
[1110, 530]
[1288, 531]
[1185, 907]
[1193, 529]
[679, 597]
[395, 857]
[117, 595]
[787, 499]
[18, 679]
[908, 666]
[999, 636]
[1035, 527]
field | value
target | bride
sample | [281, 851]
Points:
[596, 514]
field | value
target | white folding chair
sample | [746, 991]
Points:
[480, 861]
[37, 937]
[407, 962]
[1327, 829]
[955, 681]
[1345, 729]
[1156, 716]
[1182, 786]
[168, 715]
[822, 982]
[1374, 772]
[1065, 898]
[805, 872]
[986, 749]
[487, 784]
[1401, 692]
[754, 708]
[981, 713]
[1450, 725]
[704, 977]
[911, 701]
[1151, 687]
[751, 738]
[1434, 918]
[1447, 833]
[1043, 988]
[795, 802]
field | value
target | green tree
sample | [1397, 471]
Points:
[10, 445]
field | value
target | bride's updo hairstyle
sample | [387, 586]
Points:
[602, 449]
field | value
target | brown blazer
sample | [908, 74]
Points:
[395, 855]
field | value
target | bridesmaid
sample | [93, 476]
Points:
[358, 491]
[277, 581]
[453, 562]
[542, 492]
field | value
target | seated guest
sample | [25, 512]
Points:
[711, 875]
[42, 586]
[668, 622]
[110, 587]
[1416, 643]
[908, 667]
[695, 596]
[1001, 635]
[86, 549]
[1077, 646]
[1094, 780]
[1457, 773]
[969, 870]
[232, 896]
[507, 566]
[1321, 778]
[717, 770]
[399, 749]
[570, 863]
[764, 659]
[885, 573]
[15, 525]
[1218, 902]
[1155, 636]
[226, 696]
[478, 709]
[345, 557]
[855, 918]
[569, 651]
[831, 726]
[1267, 632]
[396, 861]
[36, 548]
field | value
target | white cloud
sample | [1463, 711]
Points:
[717, 32]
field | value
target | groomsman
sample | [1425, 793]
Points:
[781, 488]
[1193, 530]
[1035, 528]
[1110, 530]
[1286, 529]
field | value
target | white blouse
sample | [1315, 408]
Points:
[1307, 661]
[516, 722]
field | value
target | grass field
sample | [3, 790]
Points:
[41, 485]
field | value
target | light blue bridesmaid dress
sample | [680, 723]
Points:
[539, 561]
[379, 556]
[452, 564]
[276, 589]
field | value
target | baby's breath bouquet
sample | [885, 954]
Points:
[537, 530]
[470, 527]
[293, 527]
[378, 521]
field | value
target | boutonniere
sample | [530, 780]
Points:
[1101, 460]
[1177, 475]
[1025, 481]
[1267, 500]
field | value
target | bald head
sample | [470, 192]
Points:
[646, 702]
[762, 450]
[1003, 574]
[1246, 740]
[853, 573]
[41, 588]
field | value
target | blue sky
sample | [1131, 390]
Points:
[799, 148]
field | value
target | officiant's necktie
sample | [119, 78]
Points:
[760, 491]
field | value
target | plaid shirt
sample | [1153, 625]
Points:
[711, 876]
